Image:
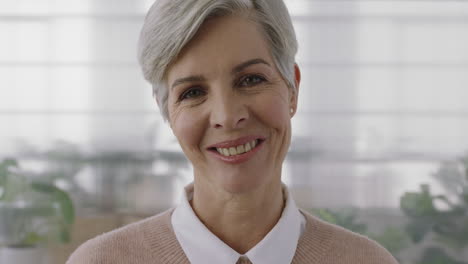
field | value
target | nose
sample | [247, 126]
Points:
[229, 111]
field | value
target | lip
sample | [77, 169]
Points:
[236, 159]
[236, 142]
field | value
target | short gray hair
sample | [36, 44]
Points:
[170, 24]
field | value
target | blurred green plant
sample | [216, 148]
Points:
[445, 216]
[32, 212]
[346, 218]
[392, 238]
[434, 255]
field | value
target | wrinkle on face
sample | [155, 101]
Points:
[212, 57]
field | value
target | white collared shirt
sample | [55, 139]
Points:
[202, 246]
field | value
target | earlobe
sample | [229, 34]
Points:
[292, 112]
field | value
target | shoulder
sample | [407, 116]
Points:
[339, 245]
[126, 244]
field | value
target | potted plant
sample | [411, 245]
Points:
[32, 215]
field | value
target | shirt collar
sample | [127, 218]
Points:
[202, 246]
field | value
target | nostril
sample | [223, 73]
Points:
[228, 120]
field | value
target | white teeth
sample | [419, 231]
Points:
[226, 152]
[232, 151]
[247, 146]
[237, 150]
[240, 149]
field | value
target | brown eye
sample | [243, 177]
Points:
[252, 80]
[192, 93]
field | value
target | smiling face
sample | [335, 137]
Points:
[229, 106]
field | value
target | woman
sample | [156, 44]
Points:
[224, 76]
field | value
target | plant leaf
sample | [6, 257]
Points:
[437, 256]
[62, 198]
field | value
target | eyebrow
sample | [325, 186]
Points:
[237, 69]
[195, 78]
[248, 63]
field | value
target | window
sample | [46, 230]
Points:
[383, 104]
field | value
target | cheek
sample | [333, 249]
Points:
[188, 129]
[275, 112]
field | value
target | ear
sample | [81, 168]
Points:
[295, 93]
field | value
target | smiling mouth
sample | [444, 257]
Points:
[238, 150]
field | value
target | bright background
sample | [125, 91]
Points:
[383, 103]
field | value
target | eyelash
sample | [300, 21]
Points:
[241, 83]
[260, 79]
[185, 94]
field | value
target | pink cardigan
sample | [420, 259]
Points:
[152, 240]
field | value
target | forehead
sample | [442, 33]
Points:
[221, 43]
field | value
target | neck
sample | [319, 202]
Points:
[239, 220]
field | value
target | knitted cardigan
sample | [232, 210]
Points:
[152, 241]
